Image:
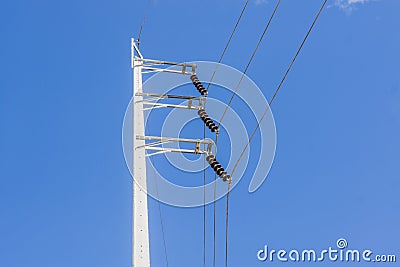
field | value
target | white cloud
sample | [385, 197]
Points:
[349, 5]
[259, 2]
[356, 1]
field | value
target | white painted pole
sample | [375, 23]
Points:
[140, 225]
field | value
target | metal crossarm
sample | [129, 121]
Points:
[169, 96]
[200, 146]
[153, 101]
[151, 65]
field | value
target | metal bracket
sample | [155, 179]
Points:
[197, 147]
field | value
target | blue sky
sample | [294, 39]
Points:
[65, 194]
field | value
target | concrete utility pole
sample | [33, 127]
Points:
[146, 146]
[140, 231]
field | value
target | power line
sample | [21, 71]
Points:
[216, 142]
[227, 223]
[222, 117]
[280, 85]
[204, 198]
[215, 208]
[228, 43]
[251, 59]
[265, 112]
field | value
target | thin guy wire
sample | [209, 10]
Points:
[143, 21]
[159, 207]
[228, 43]
[204, 196]
[162, 224]
[227, 223]
[215, 206]
[251, 59]
[279, 86]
